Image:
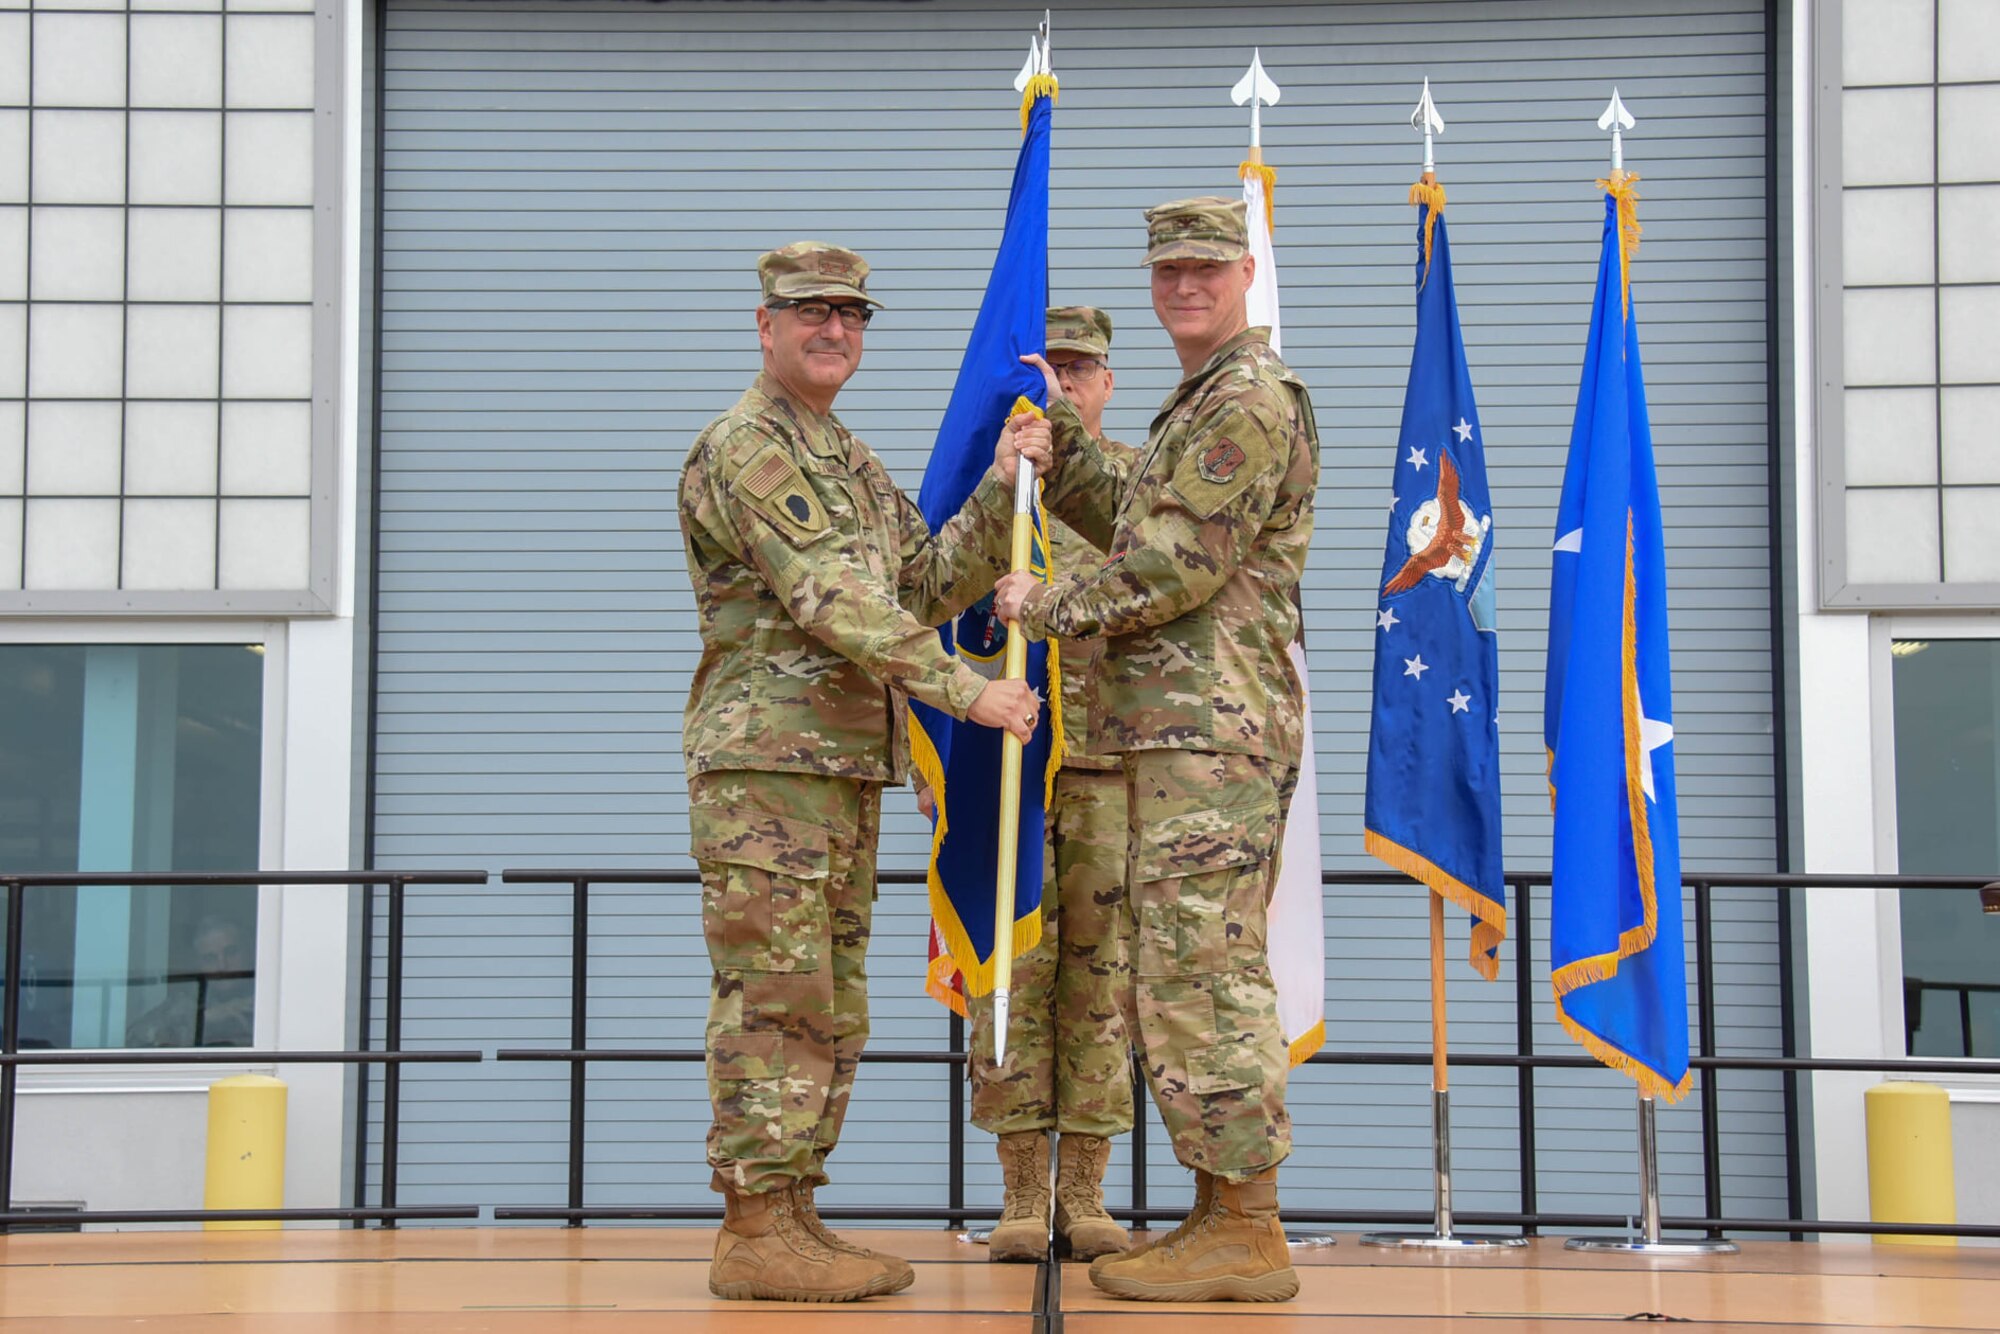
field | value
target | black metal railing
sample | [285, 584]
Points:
[578, 1056]
[1524, 1061]
[391, 1056]
[198, 1010]
[1914, 991]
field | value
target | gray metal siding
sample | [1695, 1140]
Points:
[576, 194]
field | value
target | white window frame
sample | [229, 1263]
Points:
[1884, 631]
[273, 639]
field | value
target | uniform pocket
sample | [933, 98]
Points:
[1226, 1067]
[763, 880]
[749, 1056]
[746, 1086]
[1203, 841]
[1199, 881]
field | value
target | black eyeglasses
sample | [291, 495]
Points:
[815, 313]
[1082, 369]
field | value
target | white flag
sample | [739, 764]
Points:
[1295, 932]
[1264, 286]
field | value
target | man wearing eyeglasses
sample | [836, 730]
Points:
[1207, 530]
[1068, 1067]
[816, 584]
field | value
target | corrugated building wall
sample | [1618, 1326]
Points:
[576, 194]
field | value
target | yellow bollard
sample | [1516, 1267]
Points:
[1909, 1159]
[246, 1148]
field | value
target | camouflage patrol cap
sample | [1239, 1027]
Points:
[1209, 227]
[1084, 329]
[807, 269]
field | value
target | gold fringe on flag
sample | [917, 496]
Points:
[1254, 166]
[1489, 929]
[1040, 85]
[1428, 192]
[1619, 186]
[1603, 967]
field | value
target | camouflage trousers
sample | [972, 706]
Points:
[787, 893]
[1067, 1064]
[1205, 834]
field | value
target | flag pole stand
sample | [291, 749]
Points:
[1441, 1237]
[1648, 1241]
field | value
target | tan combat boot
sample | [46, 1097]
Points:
[1080, 1217]
[1235, 1253]
[1023, 1231]
[1204, 1197]
[765, 1250]
[901, 1275]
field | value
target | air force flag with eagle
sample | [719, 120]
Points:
[1433, 805]
[1615, 917]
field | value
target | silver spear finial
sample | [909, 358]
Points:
[1617, 120]
[1256, 88]
[1426, 119]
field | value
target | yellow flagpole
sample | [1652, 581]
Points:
[1006, 862]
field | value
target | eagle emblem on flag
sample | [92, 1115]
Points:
[1444, 536]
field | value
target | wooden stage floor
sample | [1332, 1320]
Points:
[625, 1280]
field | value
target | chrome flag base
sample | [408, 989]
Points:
[1442, 1238]
[1649, 1243]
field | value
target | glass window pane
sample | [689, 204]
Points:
[1947, 702]
[133, 757]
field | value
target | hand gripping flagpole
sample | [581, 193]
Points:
[1617, 120]
[1441, 1237]
[1006, 862]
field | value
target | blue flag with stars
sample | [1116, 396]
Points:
[1433, 805]
[1615, 916]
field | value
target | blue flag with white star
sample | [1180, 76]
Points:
[1615, 917]
[1433, 805]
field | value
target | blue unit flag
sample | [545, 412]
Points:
[1433, 804]
[961, 760]
[1615, 921]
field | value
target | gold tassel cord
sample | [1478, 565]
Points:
[1427, 193]
[1254, 166]
[1040, 85]
[1619, 186]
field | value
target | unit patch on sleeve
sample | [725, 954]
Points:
[1211, 475]
[1220, 461]
[772, 485]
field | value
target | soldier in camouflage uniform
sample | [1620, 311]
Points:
[816, 582]
[1067, 1064]
[1207, 530]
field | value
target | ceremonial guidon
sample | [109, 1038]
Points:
[1067, 1065]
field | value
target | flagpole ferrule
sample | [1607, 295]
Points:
[1441, 1157]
